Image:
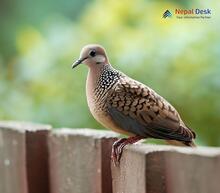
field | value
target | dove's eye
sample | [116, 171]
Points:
[92, 53]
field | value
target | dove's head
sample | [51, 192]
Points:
[93, 55]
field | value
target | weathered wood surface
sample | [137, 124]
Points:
[80, 161]
[167, 169]
[23, 157]
[35, 159]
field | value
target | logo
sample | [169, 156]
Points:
[166, 14]
[188, 13]
[193, 11]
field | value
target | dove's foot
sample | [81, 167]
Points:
[118, 146]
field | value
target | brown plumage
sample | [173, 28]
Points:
[128, 106]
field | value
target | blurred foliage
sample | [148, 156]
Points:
[178, 58]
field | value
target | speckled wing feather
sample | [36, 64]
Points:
[137, 109]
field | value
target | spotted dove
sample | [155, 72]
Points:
[127, 106]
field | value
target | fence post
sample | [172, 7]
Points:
[80, 161]
[167, 169]
[23, 157]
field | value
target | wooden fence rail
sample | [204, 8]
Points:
[36, 159]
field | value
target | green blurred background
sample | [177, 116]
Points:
[39, 40]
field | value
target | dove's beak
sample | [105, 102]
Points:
[77, 62]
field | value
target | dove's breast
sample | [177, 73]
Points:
[98, 88]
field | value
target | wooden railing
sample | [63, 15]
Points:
[37, 159]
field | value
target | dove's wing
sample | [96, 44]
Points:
[138, 109]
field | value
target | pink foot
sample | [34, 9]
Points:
[118, 146]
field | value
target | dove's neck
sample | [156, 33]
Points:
[99, 80]
[93, 77]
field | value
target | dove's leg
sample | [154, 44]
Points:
[118, 146]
